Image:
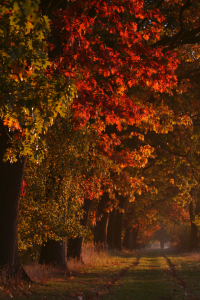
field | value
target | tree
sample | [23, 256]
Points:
[96, 51]
[29, 98]
[194, 209]
[162, 236]
[74, 245]
[80, 42]
[114, 230]
[176, 152]
[97, 47]
[100, 234]
[51, 209]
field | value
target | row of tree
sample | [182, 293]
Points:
[99, 99]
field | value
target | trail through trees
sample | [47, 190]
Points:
[154, 275]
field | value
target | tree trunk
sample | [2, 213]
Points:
[74, 246]
[162, 243]
[111, 229]
[194, 230]
[134, 237]
[11, 177]
[53, 253]
[119, 223]
[127, 242]
[100, 234]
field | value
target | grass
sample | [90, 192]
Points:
[83, 280]
[149, 280]
[187, 268]
[154, 275]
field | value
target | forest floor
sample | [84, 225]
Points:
[151, 274]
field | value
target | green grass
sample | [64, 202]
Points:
[187, 268]
[149, 280]
[159, 275]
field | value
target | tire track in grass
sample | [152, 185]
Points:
[149, 281]
[107, 286]
[189, 294]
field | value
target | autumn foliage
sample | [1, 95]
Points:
[104, 53]
[100, 48]
[115, 62]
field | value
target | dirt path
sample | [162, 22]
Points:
[189, 294]
[155, 278]
[104, 290]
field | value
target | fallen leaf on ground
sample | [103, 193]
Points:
[101, 293]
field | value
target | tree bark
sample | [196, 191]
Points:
[100, 234]
[127, 241]
[134, 237]
[111, 229]
[53, 253]
[119, 223]
[114, 231]
[11, 177]
[74, 246]
[194, 230]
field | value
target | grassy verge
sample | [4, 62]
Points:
[187, 267]
[81, 281]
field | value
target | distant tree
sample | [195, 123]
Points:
[162, 236]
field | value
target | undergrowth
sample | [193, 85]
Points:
[90, 258]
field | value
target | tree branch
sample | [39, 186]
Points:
[181, 37]
[189, 40]
[145, 19]
[190, 74]
[181, 31]
[183, 8]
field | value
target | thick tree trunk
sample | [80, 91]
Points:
[100, 234]
[74, 246]
[114, 231]
[194, 240]
[111, 229]
[11, 177]
[119, 223]
[127, 241]
[53, 253]
[134, 237]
